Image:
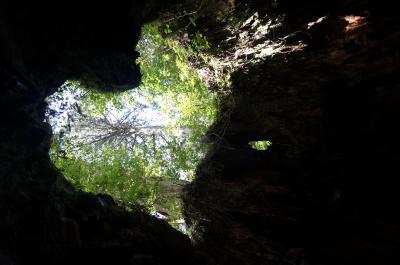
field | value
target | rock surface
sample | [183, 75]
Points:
[325, 192]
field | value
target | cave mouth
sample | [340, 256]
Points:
[140, 146]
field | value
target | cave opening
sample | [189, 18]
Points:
[141, 146]
[317, 79]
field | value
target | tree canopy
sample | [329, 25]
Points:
[140, 146]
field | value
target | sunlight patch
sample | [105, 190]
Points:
[354, 22]
[318, 21]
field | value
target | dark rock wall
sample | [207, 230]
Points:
[326, 192]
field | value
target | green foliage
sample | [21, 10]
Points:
[127, 178]
[153, 170]
[199, 43]
[171, 83]
[260, 145]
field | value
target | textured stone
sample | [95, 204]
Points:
[325, 191]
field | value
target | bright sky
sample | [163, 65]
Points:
[151, 115]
